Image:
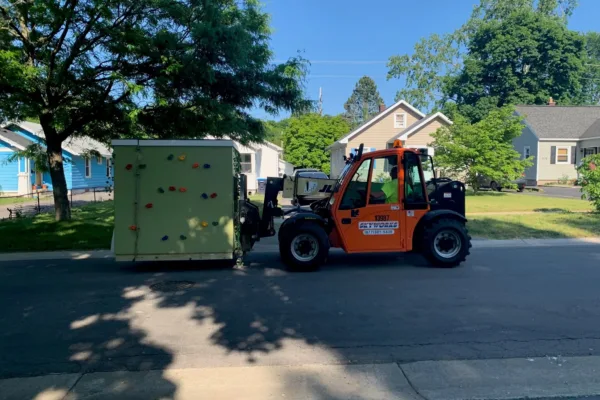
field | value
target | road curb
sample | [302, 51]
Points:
[274, 248]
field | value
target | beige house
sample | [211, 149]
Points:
[399, 121]
[558, 137]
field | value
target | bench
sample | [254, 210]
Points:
[27, 210]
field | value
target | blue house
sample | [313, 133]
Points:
[21, 177]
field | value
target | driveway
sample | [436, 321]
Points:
[557, 191]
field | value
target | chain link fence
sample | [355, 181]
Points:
[42, 201]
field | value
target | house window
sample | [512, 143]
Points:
[88, 167]
[108, 171]
[589, 151]
[400, 120]
[246, 163]
[563, 155]
[99, 160]
[526, 152]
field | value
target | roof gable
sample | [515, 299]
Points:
[560, 122]
[376, 119]
[417, 125]
[14, 139]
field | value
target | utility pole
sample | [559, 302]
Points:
[320, 101]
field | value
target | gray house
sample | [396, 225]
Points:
[559, 137]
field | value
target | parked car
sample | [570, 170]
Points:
[309, 173]
[485, 182]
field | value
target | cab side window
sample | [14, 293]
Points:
[356, 191]
[413, 185]
[384, 181]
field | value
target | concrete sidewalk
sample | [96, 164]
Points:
[515, 378]
[270, 246]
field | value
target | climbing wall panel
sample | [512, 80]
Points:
[174, 202]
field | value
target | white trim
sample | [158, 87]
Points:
[405, 134]
[589, 138]
[252, 160]
[525, 157]
[85, 167]
[403, 125]
[180, 143]
[563, 140]
[536, 160]
[13, 144]
[6, 150]
[568, 155]
[385, 113]
[99, 160]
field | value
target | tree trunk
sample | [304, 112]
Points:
[62, 208]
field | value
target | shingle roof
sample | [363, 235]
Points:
[593, 131]
[561, 122]
[74, 145]
[15, 138]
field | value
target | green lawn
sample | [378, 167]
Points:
[510, 202]
[90, 228]
[549, 225]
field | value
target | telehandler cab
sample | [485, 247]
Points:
[384, 201]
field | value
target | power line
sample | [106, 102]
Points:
[352, 62]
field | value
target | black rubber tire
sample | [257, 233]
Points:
[494, 186]
[520, 189]
[431, 231]
[285, 243]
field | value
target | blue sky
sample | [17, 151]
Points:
[346, 39]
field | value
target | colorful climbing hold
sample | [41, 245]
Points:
[133, 228]
[204, 224]
[172, 188]
[170, 157]
[164, 238]
[128, 167]
[196, 165]
[206, 166]
[213, 195]
[215, 223]
[182, 237]
[142, 166]
[182, 189]
[161, 190]
[204, 196]
[149, 205]
[181, 157]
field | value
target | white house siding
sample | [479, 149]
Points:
[285, 168]
[265, 163]
[548, 172]
[527, 138]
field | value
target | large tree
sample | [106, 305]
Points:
[591, 80]
[159, 68]
[363, 103]
[307, 136]
[467, 150]
[437, 57]
[525, 58]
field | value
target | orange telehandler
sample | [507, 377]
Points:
[383, 201]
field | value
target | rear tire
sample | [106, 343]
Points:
[446, 242]
[494, 186]
[304, 248]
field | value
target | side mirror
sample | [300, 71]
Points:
[345, 158]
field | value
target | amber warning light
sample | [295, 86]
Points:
[397, 143]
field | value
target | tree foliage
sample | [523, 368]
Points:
[468, 150]
[525, 58]
[159, 68]
[591, 79]
[363, 103]
[306, 138]
[274, 130]
[589, 173]
[437, 57]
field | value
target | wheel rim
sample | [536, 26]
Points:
[494, 186]
[304, 247]
[447, 244]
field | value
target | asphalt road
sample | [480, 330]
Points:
[554, 191]
[95, 315]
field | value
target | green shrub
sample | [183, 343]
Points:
[589, 172]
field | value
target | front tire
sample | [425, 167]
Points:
[495, 187]
[446, 243]
[304, 248]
